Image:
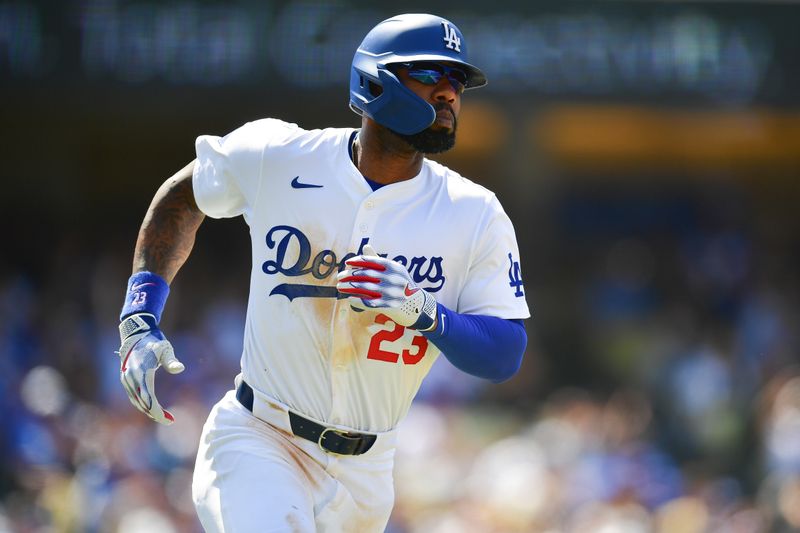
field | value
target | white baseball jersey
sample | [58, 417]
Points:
[309, 209]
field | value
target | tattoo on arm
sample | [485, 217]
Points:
[169, 228]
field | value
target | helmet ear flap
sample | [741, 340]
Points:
[396, 106]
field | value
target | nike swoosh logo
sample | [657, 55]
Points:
[297, 185]
[410, 292]
[139, 286]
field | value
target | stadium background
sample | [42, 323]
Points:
[648, 153]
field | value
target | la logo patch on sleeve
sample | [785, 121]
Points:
[515, 276]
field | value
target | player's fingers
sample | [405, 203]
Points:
[138, 378]
[369, 291]
[348, 276]
[166, 354]
[360, 278]
[128, 383]
[174, 366]
[161, 415]
[158, 413]
[364, 294]
[137, 401]
[364, 262]
[134, 397]
[369, 250]
[144, 391]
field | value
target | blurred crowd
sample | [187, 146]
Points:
[660, 391]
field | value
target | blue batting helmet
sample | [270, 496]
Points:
[404, 39]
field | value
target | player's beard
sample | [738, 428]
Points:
[430, 140]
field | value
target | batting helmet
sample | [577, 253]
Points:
[404, 39]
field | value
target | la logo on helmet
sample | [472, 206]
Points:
[450, 37]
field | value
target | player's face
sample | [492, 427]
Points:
[438, 84]
[441, 86]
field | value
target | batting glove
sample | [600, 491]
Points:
[144, 348]
[381, 284]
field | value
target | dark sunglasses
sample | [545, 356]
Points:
[431, 73]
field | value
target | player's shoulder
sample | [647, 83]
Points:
[278, 132]
[273, 130]
[459, 188]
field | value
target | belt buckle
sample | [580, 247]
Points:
[322, 438]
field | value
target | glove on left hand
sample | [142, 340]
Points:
[385, 285]
[144, 348]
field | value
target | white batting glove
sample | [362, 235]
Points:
[144, 348]
[384, 285]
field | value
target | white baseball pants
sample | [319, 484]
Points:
[253, 475]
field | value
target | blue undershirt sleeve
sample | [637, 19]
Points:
[485, 346]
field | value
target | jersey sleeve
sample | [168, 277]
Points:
[229, 170]
[494, 280]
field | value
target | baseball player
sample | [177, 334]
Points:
[369, 260]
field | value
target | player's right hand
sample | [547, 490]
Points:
[143, 349]
[372, 281]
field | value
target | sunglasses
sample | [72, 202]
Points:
[431, 73]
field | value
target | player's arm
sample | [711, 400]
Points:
[485, 346]
[168, 231]
[165, 241]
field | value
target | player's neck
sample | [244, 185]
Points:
[383, 157]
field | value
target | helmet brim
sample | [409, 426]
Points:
[475, 76]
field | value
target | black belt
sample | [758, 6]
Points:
[329, 439]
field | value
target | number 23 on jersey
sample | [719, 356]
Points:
[376, 351]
